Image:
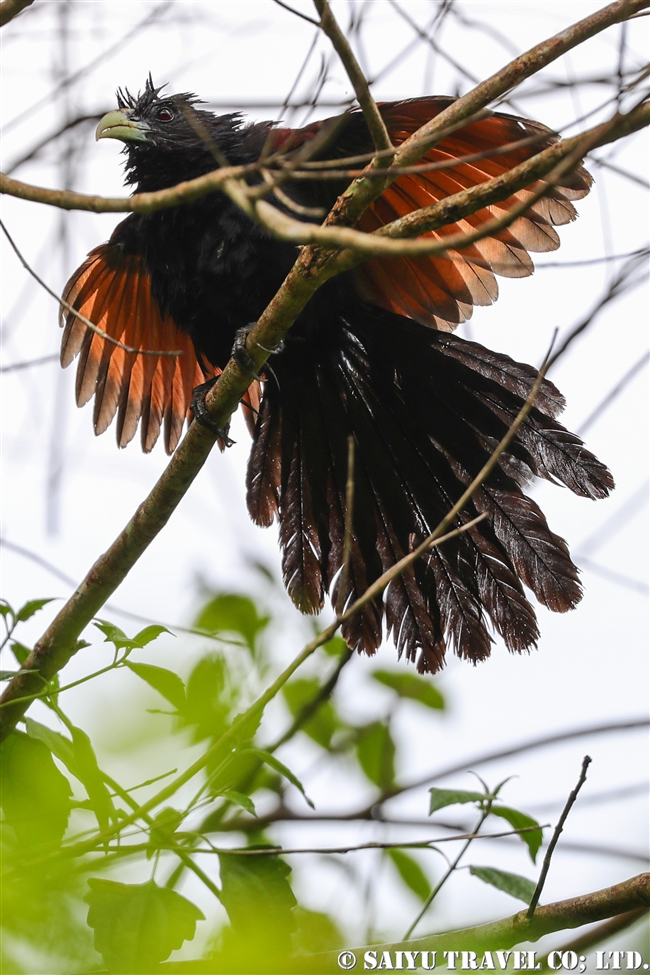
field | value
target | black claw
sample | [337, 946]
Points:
[201, 414]
[240, 352]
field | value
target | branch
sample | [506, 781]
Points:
[363, 192]
[370, 811]
[631, 895]
[573, 795]
[371, 114]
[11, 8]
[60, 640]
[552, 163]
[138, 203]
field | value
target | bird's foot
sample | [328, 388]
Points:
[201, 414]
[241, 354]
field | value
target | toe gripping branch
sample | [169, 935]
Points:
[240, 353]
[201, 414]
[243, 359]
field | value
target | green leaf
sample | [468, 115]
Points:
[58, 744]
[256, 893]
[519, 820]
[452, 797]
[138, 926]
[89, 774]
[239, 799]
[271, 760]
[163, 827]
[411, 873]
[376, 753]
[233, 613]
[210, 698]
[20, 652]
[35, 794]
[166, 682]
[324, 722]
[335, 647]
[5, 609]
[79, 758]
[149, 634]
[315, 932]
[10, 674]
[30, 608]
[520, 887]
[241, 771]
[113, 634]
[413, 687]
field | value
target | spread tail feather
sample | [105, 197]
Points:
[425, 409]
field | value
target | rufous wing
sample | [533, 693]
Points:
[440, 291]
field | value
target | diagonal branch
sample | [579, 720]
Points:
[11, 8]
[631, 895]
[551, 164]
[374, 121]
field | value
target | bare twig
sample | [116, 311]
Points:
[556, 835]
[76, 76]
[77, 314]
[266, 851]
[636, 585]
[28, 363]
[347, 543]
[11, 8]
[483, 758]
[451, 868]
[371, 114]
[296, 13]
[630, 275]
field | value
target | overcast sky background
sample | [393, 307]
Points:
[66, 494]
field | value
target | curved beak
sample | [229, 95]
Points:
[120, 125]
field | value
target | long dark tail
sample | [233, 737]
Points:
[426, 410]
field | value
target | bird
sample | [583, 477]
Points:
[371, 357]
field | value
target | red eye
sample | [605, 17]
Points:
[164, 115]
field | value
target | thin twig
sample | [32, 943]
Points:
[452, 866]
[296, 13]
[28, 363]
[271, 851]
[371, 114]
[10, 8]
[347, 542]
[556, 835]
[548, 166]
[82, 318]
[559, 737]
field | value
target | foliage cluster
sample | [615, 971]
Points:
[69, 828]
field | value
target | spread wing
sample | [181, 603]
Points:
[149, 386]
[441, 291]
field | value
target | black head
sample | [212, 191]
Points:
[148, 118]
[167, 133]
